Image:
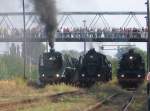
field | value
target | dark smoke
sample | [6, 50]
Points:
[48, 15]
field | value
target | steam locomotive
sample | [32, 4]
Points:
[94, 67]
[90, 68]
[131, 71]
[52, 66]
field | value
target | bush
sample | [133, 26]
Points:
[13, 66]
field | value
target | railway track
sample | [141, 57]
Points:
[101, 103]
[12, 106]
[129, 102]
[117, 99]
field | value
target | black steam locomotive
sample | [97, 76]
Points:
[94, 67]
[52, 67]
[90, 68]
[131, 71]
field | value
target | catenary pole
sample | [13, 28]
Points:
[24, 36]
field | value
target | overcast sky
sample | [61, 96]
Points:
[101, 5]
[83, 5]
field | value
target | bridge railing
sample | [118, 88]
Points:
[78, 35]
[137, 35]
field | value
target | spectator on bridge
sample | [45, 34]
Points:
[99, 32]
[66, 32]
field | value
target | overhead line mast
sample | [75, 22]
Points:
[24, 36]
[148, 43]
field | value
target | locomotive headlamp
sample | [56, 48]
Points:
[139, 76]
[98, 75]
[131, 57]
[43, 75]
[122, 75]
[52, 58]
[57, 75]
[91, 57]
[83, 75]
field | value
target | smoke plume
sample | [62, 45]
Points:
[48, 15]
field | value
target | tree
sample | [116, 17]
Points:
[18, 51]
[33, 51]
[121, 51]
[143, 54]
[13, 50]
[71, 53]
[10, 66]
